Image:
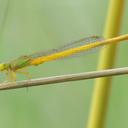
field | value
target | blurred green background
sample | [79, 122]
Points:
[28, 26]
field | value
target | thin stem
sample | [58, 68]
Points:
[64, 78]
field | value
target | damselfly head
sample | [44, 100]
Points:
[2, 67]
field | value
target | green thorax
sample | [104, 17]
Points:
[19, 63]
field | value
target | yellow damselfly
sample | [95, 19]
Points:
[80, 46]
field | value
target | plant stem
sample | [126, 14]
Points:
[107, 59]
[63, 78]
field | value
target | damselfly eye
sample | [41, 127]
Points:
[2, 67]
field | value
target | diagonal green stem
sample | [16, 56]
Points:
[107, 59]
